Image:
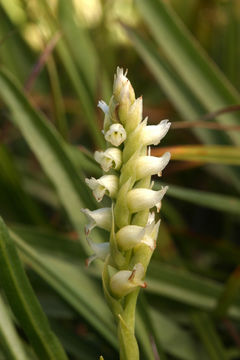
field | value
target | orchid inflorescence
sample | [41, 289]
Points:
[128, 167]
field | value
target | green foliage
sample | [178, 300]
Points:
[55, 64]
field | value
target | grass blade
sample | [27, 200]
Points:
[208, 334]
[50, 150]
[8, 336]
[224, 203]
[70, 281]
[24, 302]
[187, 288]
[228, 155]
[190, 61]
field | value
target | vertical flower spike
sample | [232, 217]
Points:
[130, 221]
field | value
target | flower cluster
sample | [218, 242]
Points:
[128, 167]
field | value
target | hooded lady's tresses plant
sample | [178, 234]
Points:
[133, 229]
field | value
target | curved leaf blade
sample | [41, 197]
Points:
[50, 150]
[8, 336]
[24, 302]
[190, 61]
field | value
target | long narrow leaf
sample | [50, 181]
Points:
[187, 288]
[224, 203]
[24, 302]
[9, 339]
[191, 63]
[73, 285]
[228, 155]
[50, 150]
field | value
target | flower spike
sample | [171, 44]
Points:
[128, 166]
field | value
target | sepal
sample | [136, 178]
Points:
[153, 134]
[151, 165]
[139, 199]
[101, 251]
[100, 217]
[125, 281]
[105, 184]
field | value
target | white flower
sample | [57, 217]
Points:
[119, 80]
[111, 158]
[131, 235]
[101, 251]
[103, 106]
[100, 217]
[140, 199]
[150, 165]
[125, 281]
[116, 134]
[153, 134]
[105, 184]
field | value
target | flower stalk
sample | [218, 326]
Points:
[127, 167]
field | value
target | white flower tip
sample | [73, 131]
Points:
[103, 106]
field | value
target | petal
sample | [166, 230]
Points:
[152, 134]
[105, 184]
[101, 251]
[129, 236]
[116, 134]
[151, 165]
[103, 106]
[100, 217]
[140, 199]
[125, 281]
[111, 158]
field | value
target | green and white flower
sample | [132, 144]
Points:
[107, 184]
[100, 217]
[126, 281]
[109, 159]
[131, 223]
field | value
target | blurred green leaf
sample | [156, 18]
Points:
[189, 60]
[71, 282]
[187, 288]
[50, 150]
[230, 293]
[209, 336]
[228, 155]
[23, 204]
[224, 203]
[14, 51]
[176, 341]
[9, 339]
[24, 302]
[73, 59]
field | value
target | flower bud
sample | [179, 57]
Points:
[105, 184]
[111, 158]
[120, 81]
[100, 217]
[153, 134]
[140, 199]
[151, 165]
[134, 115]
[116, 134]
[125, 281]
[101, 251]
